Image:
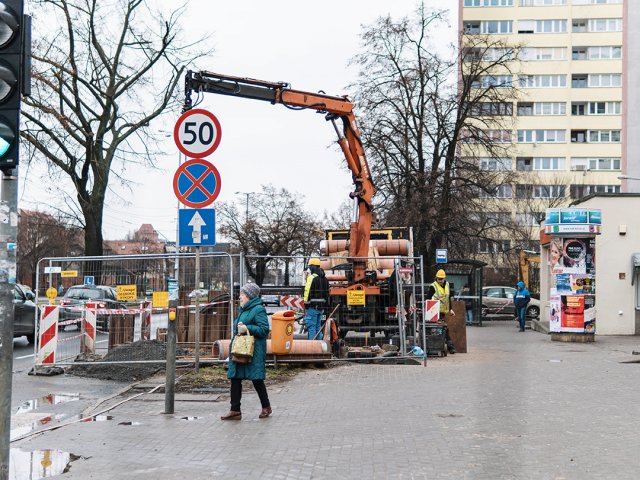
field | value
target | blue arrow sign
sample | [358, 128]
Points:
[197, 227]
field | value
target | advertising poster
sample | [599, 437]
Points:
[572, 255]
[554, 310]
[572, 313]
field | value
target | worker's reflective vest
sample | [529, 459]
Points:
[307, 287]
[441, 294]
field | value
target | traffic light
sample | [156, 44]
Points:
[12, 34]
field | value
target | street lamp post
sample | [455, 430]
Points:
[627, 177]
[246, 211]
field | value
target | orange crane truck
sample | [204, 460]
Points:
[357, 276]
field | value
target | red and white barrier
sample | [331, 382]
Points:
[88, 345]
[294, 302]
[48, 335]
[432, 310]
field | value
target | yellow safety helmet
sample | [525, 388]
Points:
[314, 261]
[441, 274]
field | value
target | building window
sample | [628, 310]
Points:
[488, 54]
[542, 81]
[578, 108]
[579, 53]
[542, 53]
[596, 2]
[494, 163]
[604, 53]
[578, 136]
[605, 80]
[604, 136]
[579, 25]
[541, 3]
[524, 164]
[501, 191]
[488, 81]
[548, 163]
[541, 136]
[548, 191]
[579, 80]
[487, 27]
[579, 191]
[529, 219]
[550, 108]
[488, 3]
[605, 25]
[488, 109]
[491, 246]
[605, 108]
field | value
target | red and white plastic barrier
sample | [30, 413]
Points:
[89, 343]
[294, 302]
[48, 335]
[432, 310]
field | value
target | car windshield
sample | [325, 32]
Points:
[84, 294]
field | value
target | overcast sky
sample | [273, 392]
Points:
[307, 44]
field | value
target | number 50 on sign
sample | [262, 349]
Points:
[197, 133]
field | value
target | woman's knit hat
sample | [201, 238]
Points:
[251, 290]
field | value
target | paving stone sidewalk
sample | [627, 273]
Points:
[517, 406]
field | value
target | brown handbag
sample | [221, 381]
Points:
[242, 348]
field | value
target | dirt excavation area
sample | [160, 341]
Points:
[143, 359]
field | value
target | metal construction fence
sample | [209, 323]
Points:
[114, 308]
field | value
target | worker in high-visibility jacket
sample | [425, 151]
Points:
[440, 290]
[316, 298]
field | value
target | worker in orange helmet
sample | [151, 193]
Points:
[439, 290]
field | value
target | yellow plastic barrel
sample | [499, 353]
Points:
[282, 332]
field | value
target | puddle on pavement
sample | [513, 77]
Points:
[39, 464]
[188, 419]
[555, 361]
[51, 399]
[19, 429]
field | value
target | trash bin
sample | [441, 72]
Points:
[282, 332]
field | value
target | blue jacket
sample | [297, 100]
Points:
[521, 298]
[254, 316]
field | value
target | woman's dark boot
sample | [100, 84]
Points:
[265, 412]
[232, 415]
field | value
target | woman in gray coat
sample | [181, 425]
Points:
[252, 318]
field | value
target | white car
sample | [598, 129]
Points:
[497, 301]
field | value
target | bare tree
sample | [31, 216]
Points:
[276, 226]
[43, 235]
[99, 80]
[415, 120]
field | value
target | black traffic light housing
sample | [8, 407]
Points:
[14, 35]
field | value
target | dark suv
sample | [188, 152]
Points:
[25, 312]
[75, 297]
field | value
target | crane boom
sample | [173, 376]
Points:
[349, 141]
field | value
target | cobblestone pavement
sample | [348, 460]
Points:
[517, 406]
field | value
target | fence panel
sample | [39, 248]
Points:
[114, 308]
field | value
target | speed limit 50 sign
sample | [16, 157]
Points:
[197, 133]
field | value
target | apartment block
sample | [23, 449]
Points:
[575, 125]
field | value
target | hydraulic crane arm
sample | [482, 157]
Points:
[349, 140]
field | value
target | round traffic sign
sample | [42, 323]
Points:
[197, 133]
[197, 183]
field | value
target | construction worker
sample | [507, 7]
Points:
[316, 298]
[439, 290]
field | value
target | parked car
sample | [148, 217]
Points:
[75, 297]
[24, 322]
[497, 301]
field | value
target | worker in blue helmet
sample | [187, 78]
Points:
[521, 300]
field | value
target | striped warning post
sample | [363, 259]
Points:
[89, 321]
[433, 310]
[294, 302]
[48, 335]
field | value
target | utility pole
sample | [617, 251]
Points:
[15, 64]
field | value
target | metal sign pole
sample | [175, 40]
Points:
[8, 234]
[197, 313]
